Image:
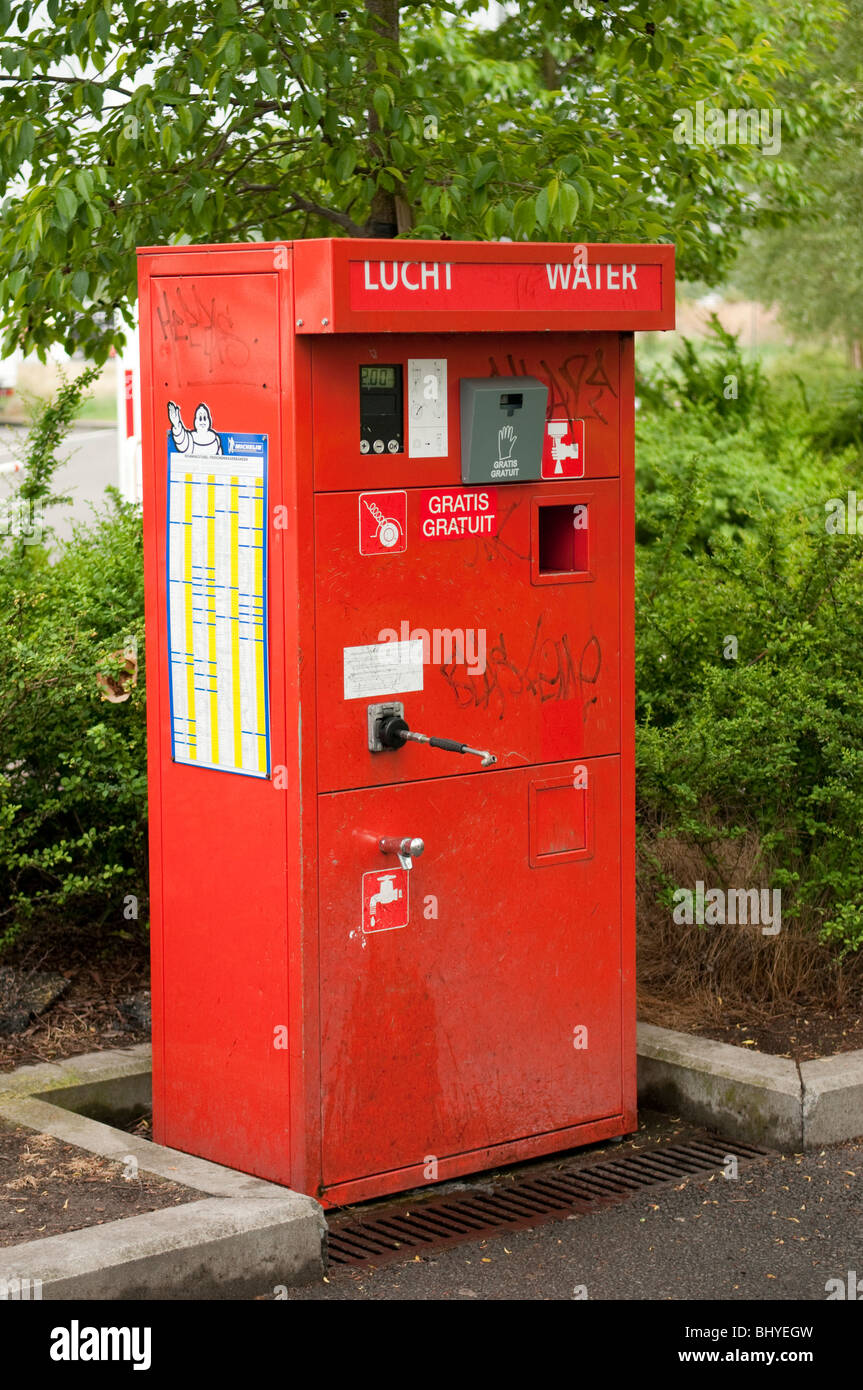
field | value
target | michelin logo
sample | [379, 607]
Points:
[244, 446]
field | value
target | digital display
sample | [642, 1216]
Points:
[378, 376]
[381, 409]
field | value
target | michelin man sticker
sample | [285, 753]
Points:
[217, 595]
[201, 441]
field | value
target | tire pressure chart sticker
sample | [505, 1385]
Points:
[217, 604]
[383, 522]
[386, 902]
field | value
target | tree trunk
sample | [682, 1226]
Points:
[383, 218]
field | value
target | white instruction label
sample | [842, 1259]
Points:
[387, 668]
[427, 408]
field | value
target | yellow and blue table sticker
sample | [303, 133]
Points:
[217, 597]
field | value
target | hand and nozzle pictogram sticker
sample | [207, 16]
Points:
[563, 449]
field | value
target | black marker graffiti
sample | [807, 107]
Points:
[548, 674]
[565, 381]
[185, 318]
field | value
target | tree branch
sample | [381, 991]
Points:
[299, 204]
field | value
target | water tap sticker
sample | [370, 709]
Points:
[563, 449]
[386, 902]
[383, 522]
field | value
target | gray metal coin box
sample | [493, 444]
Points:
[502, 428]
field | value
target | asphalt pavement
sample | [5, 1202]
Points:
[785, 1227]
[90, 465]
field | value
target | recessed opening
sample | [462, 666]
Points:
[560, 820]
[563, 539]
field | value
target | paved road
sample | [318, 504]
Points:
[91, 467]
[787, 1225]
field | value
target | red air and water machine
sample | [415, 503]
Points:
[388, 515]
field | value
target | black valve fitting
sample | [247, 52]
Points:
[391, 730]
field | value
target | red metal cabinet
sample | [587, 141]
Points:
[457, 1034]
[324, 1016]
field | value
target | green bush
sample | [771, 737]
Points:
[817, 396]
[728, 481]
[750, 656]
[73, 775]
[715, 379]
[72, 765]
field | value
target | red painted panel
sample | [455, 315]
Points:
[220, 903]
[380, 282]
[528, 672]
[475, 1160]
[562, 817]
[581, 373]
[458, 1031]
[355, 286]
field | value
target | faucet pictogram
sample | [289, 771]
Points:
[387, 893]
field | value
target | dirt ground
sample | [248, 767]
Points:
[88, 1017]
[47, 1188]
[788, 994]
[802, 1033]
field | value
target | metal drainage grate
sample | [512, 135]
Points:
[529, 1198]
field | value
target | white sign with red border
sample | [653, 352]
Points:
[383, 523]
[386, 900]
[563, 450]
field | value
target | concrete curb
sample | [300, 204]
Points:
[751, 1096]
[832, 1099]
[217, 1248]
[117, 1145]
[243, 1239]
[112, 1083]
